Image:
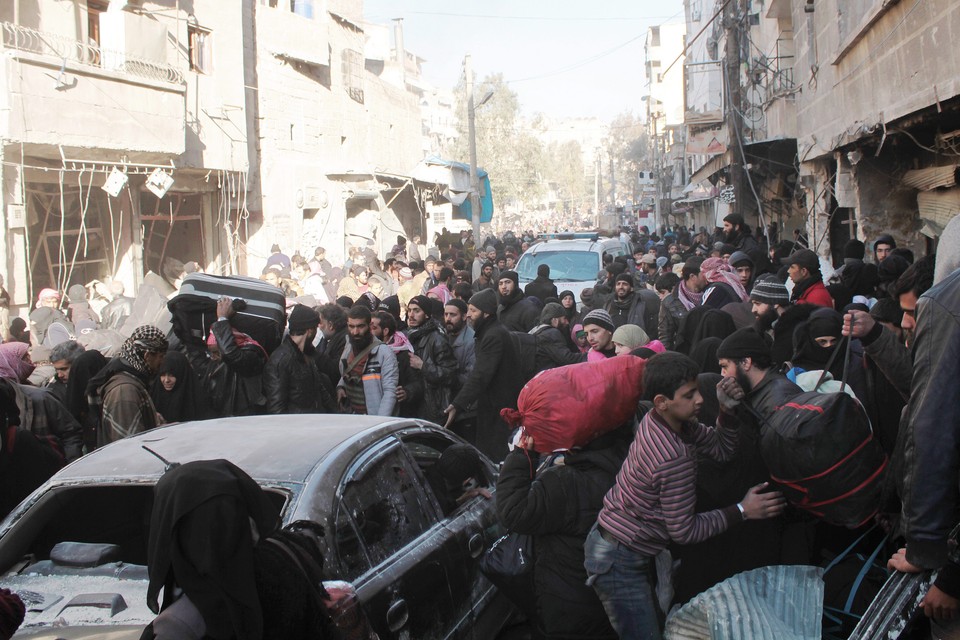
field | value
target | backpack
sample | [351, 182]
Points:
[820, 450]
[525, 345]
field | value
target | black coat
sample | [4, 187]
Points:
[642, 308]
[518, 313]
[541, 288]
[232, 386]
[559, 507]
[553, 350]
[494, 384]
[293, 384]
[328, 360]
[430, 391]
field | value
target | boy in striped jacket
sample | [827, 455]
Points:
[653, 502]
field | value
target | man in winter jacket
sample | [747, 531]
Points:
[231, 366]
[931, 446]
[675, 307]
[368, 370]
[541, 287]
[496, 380]
[433, 357]
[737, 234]
[292, 383]
[516, 312]
[463, 341]
[553, 348]
[808, 285]
[640, 307]
[121, 386]
[558, 507]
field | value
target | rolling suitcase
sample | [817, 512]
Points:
[194, 309]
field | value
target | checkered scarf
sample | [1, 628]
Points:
[144, 339]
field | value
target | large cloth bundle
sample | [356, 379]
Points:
[262, 317]
[569, 406]
[820, 449]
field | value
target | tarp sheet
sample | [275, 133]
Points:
[455, 176]
[782, 602]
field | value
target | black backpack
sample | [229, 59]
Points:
[526, 347]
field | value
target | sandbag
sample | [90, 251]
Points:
[820, 450]
[569, 406]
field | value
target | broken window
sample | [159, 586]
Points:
[382, 509]
[352, 69]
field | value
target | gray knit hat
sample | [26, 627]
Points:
[550, 311]
[769, 290]
[600, 318]
[485, 300]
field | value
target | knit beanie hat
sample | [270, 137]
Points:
[625, 277]
[424, 303]
[77, 293]
[550, 311]
[303, 318]
[738, 258]
[600, 318]
[458, 303]
[485, 300]
[854, 249]
[744, 343]
[510, 275]
[630, 336]
[769, 290]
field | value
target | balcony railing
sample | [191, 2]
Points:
[86, 55]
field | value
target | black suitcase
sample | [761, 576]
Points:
[194, 308]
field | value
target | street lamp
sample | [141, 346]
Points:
[472, 132]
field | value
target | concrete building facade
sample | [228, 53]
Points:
[278, 122]
[848, 116]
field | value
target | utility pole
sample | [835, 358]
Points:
[596, 185]
[472, 132]
[733, 15]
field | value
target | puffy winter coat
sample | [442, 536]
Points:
[292, 383]
[430, 391]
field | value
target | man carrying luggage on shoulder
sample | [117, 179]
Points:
[653, 502]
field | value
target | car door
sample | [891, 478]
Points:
[392, 546]
[473, 525]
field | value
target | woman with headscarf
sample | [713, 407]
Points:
[704, 353]
[814, 343]
[222, 567]
[175, 389]
[569, 303]
[18, 331]
[122, 386]
[40, 412]
[85, 367]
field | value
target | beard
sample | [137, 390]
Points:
[743, 380]
[361, 343]
[730, 236]
[766, 319]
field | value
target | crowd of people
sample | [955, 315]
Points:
[730, 327]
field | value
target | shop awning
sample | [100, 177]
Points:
[454, 177]
[710, 167]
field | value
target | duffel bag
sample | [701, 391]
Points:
[820, 450]
[262, 315]
[569, 406]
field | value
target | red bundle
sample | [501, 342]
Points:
[569, 406]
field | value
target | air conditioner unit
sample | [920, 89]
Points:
[311, 197]
[16, 216]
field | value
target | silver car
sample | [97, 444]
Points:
[367, 480]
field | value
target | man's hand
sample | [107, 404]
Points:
[759, 506]
[401, 394]
[858, 323]
[451, 412]
[729, 394]
[899, 562]
[225, 307]
[342, 397]
[416, 361]
[939, 605]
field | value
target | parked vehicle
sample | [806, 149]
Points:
[575, 260]
[365, 479]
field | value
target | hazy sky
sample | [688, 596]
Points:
[562, 57]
